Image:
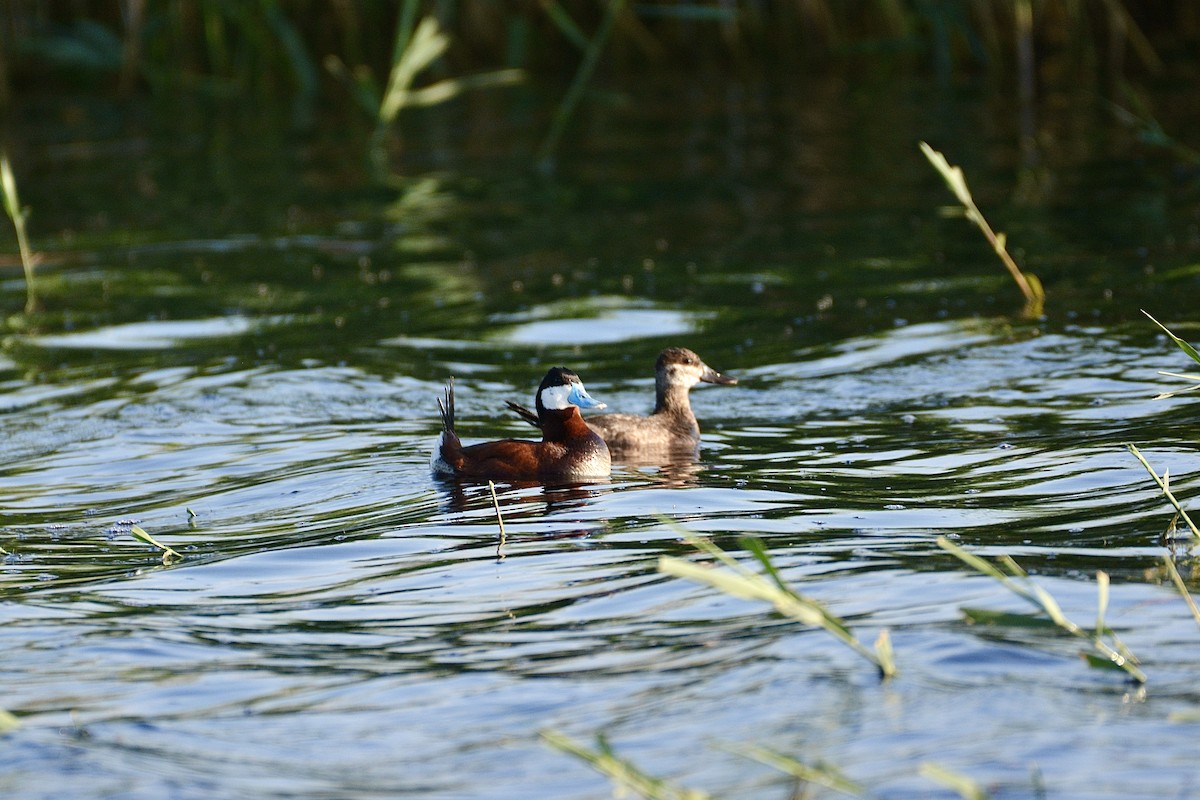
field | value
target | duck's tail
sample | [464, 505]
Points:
[524, 413]
[447, 408]
[447, 453]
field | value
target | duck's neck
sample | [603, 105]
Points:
[671, 398]
[566, 424]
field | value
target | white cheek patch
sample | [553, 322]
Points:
[682, 373]
[556, 398]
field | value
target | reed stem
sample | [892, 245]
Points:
[18, 215]
[1164, 483]
[500, 520]
[1030, 286]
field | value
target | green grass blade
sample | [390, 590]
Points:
[1031, 288]
[972, 560]
[756, 548]
[966, 787]
[739, 586]
[625, 776]
[1163, 485]
[1014, 569]
[8, 183]
[450, 88]
[885, 654]
[1052, 609]
[591, 58]
[18, 215]
[1110, 663]
[168, 553]
[425, 46]
[565, 24]
[8, 722]
[286, 33]
[1102, 601]
[1184, 346]
[742, 583]
[705, 546]
[1006, 619]
[1179, 584]
[820, 774]
[1030, 591]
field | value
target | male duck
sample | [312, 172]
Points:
[568, 451]
[672, 427]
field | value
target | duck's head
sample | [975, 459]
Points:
[561, 389]
[680, 366]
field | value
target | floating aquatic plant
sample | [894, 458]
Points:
[740, 581]
[1028, 283]
[1115, 655]
[169, 555]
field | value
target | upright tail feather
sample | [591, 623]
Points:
[447, 408]
[447, 453]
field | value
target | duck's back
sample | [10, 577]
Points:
[659, 431]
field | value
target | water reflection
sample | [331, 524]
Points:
[517, 499]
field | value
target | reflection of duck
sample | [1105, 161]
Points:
[672, 427]
[528, 501]
[675, 469]
[569, 450]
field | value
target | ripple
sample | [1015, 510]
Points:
[157, 335]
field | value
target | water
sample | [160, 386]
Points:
[240, 352]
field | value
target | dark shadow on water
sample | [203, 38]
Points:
[523, 498]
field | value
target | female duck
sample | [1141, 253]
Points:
[672, 427]
[569, 450]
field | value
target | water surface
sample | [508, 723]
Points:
[240, 349]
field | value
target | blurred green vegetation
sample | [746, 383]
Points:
[279, 48]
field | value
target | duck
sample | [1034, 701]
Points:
[569, 449]
[672, 427]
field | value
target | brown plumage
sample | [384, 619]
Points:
[569, 450]
[672, 427]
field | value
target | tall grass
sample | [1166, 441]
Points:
[273, 47]
[418, 47]
[1164, 484]
[740, 581]
[583, 75]
[1173, 573]
[499, 521]
[1164, 481]
[18, 215]
[1111, 654]
[1028, 283]
[627, 777]
[1187, 348]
